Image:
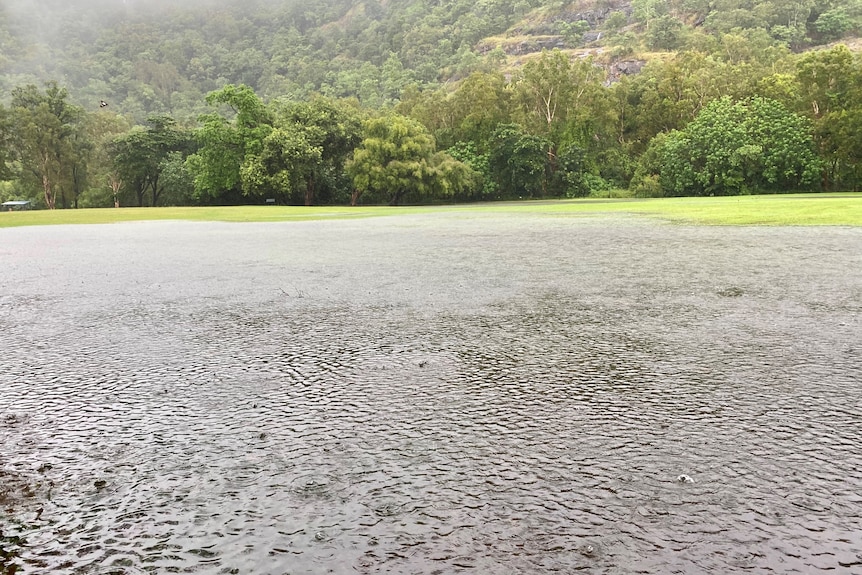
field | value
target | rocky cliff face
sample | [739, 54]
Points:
[545, 32]
[553, 29]
[594, 16]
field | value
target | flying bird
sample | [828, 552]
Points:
[103, 104]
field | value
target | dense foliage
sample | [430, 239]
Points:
[735, 148]
[213, 102]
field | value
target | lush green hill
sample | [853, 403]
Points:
[148, 56]
[145, 56]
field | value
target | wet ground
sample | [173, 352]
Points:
[431, 394]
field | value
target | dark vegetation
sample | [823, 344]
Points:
[343, 101]
[15, 492]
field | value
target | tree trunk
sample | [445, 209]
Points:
[77, 185]
[309, 191]
[116, 184]
[552, 167]
[140, 190]
[354, 196]
[396, 198]
[47, 188]
[156, 191]
[49, 195]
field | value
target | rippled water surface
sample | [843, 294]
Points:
[431, 394]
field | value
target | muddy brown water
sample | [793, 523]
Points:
[439, 393]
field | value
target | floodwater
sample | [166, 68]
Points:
[447, 393]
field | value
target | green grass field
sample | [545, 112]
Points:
[776, 210]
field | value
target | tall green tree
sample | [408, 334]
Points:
[46, 125]
[756, 145]
[226, 139]
[6, 143]
[281, 164]
[828, 80]
[140, 156]
[432, 109]
[829, 84]
[552, 87]
[563, 103]
[106, 181]
[519, 162]
[396, 159]
[82, 147]
[482, 102]
[327, 132]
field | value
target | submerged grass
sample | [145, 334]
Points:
[791, 209]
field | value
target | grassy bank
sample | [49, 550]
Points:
[797, 209]
[790, 209]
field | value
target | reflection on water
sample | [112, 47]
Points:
[493, 397]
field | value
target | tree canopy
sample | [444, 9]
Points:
[397, 158]
[731, 147]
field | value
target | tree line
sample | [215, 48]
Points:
[695, 124]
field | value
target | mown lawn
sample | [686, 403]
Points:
[796, 209]
[789, 209]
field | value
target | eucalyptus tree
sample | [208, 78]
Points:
[46, 136]
[828, 80]
[829, 88]
[552, 87]
[667, 95]
[565, 103]
[106, 181]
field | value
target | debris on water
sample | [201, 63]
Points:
[100, 483]
[387, 509]
[320, 536]
[732, 291]
[589, 550]
[684, 479]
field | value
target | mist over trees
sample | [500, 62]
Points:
[343, 101]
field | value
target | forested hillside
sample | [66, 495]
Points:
[157, 56]
[143, 102]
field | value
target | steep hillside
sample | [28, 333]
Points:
[150, 56]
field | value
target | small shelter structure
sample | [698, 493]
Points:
[15, 205]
